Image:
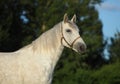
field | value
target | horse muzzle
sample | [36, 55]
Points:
[80, 47]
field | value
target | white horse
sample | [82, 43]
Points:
[35, 63]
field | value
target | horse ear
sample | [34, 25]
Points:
[65, 19]
[74, 18]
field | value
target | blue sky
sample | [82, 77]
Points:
[109, 14]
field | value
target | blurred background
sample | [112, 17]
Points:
[22, 21]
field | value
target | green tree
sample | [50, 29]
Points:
[114, 48]
[12, 27]
[109, 74]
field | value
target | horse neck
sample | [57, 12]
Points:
[49, 44]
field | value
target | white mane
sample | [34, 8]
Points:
[49, 40]
[38, 59]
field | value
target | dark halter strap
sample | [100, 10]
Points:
[70, 45]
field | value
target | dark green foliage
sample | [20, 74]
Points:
[16, 32]
[114, 48]
[109, 74]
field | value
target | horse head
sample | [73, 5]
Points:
[70, 35]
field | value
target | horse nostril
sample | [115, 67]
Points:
[82, 48]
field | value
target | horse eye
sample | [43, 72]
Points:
[68, 30]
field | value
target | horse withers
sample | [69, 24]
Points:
[35, 63]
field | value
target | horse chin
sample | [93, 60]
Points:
[78, 51]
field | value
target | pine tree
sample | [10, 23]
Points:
[15, 31]
[114, 48]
